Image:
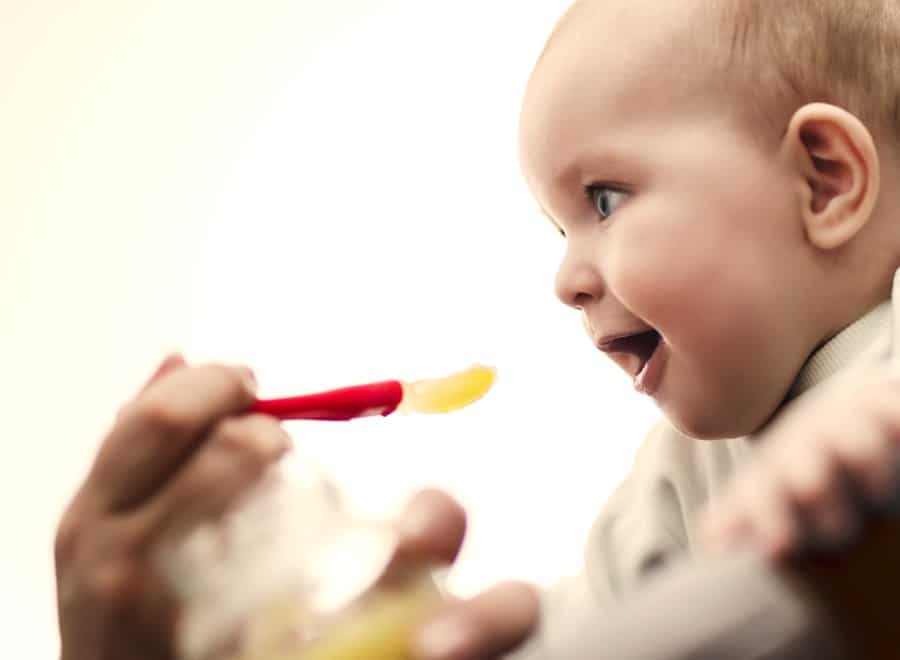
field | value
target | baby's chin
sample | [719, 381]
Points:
[704, 428]
[709, 418]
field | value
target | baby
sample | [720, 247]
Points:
[722, 173]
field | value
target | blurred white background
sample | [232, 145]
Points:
[327, 190]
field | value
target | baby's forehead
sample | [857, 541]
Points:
[620, 49]
[613, 68]
[641, 22]
[637, 38]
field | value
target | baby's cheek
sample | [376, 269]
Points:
[661, 285]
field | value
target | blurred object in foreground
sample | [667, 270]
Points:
[291, 574]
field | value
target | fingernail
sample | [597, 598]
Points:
[440, 575]
[416, 521]
[444, 638]
[276, 444]
[249, 379]
[175, 357]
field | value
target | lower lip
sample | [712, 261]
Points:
[648, 379]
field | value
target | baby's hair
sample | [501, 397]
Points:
[774, 56]
[793, 52]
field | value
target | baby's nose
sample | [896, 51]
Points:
[578, 281]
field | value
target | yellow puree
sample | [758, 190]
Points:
[443, 395]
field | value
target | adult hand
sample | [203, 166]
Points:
[480, 628]
[178, 454]
[181, 453]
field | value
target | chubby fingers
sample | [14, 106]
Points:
[871, 454]
[156, 432]
[755, 513]
[813, 484]
[777, 508]
[482, 628]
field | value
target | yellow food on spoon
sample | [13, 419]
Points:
[443, 395]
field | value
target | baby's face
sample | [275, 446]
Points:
[677, 223]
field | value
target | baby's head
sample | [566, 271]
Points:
[714, 169]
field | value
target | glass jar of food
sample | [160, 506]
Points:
[290, 574]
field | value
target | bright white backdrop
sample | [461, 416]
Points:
[326, 190]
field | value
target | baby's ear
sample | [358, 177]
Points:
[840, 171]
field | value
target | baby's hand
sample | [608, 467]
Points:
[819, 469]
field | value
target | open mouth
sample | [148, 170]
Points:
[642, 345]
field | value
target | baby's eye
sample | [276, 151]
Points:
[605, 199]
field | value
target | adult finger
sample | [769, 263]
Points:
[170, 363]
[431, 528]
[233, 458]
[484, 627]
[156, 432]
